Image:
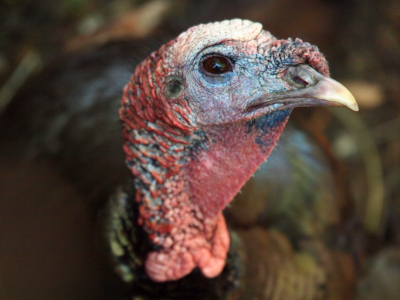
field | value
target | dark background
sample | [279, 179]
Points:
[361, 40]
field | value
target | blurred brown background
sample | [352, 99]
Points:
[361, 40]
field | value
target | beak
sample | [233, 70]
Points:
[313, 89]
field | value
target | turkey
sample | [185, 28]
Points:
[198, 116]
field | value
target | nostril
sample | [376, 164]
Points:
[300, 81]
[300, 76]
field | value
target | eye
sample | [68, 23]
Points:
[216, 65]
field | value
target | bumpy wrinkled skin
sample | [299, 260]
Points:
[191, 151]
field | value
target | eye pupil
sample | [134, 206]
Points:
[217, 65]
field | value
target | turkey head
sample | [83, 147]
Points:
[199, 116]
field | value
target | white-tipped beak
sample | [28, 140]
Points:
[330, 90]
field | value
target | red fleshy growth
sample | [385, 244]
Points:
[300, 52]
[185, 249]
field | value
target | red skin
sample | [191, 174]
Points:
[236, 156]
[197, 222]
[181, 191]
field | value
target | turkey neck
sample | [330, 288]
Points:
[185, 174]
[230, 155]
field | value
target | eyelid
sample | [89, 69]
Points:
[216, 54]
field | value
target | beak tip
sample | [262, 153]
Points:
[335, 92]
[355, 108]
[351, 103]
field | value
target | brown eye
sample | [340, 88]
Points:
[217, 65]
